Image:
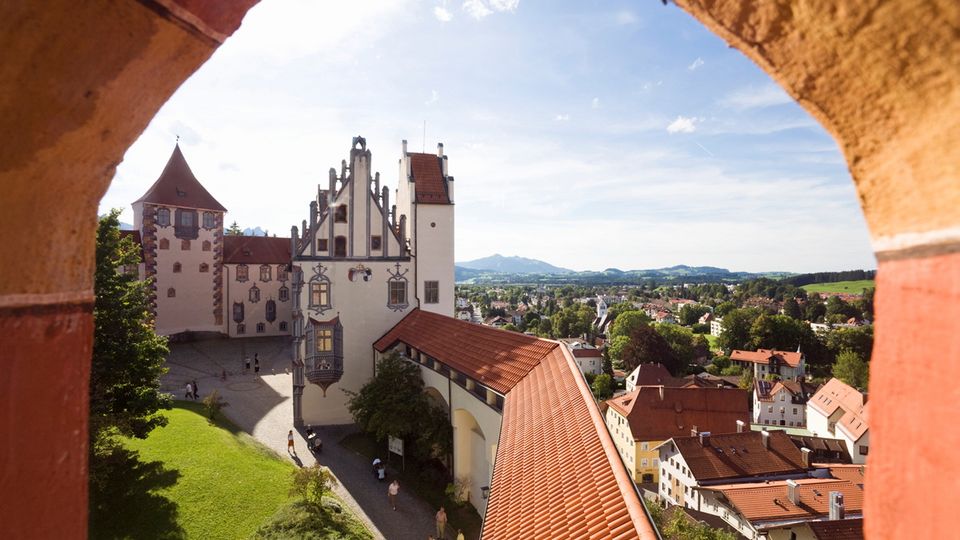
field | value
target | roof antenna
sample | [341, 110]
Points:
[178, 139]
[423, 149]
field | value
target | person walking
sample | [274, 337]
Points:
[189, 391]
[441, 523]
[196, 390]
[392, 490]
[381, 472]
[290, 447]
[459, 534]
[256, 363]
[246, 365]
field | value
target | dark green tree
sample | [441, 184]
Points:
[690, 314]
[602, 386]
[128, 356]
[627, 322]
[736, 329]
[680, 340]
[858, 339]
[792, 309]
[851, 369]
[646, 346]
[234, 229]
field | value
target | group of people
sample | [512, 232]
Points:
[256, 364]
[192, 390]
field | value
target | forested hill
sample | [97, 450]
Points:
[830, 277]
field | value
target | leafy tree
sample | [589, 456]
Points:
[851, 369]
[627, 322]
[858, 339]
[721, 361]
[680, 340]
[511, 327]
[616, 346]
[128, 356]
[792, 309]
[690, 314]
[724, 308]
[214, 403]
[545, 328]
[647, 346]
[393, 403]
[602, 386]
[573, 321]
[736, 329]
[234, 229]
[310, 483]
[701, 346]
[746, 379]
[775, 332]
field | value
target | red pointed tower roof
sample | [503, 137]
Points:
[177, 186]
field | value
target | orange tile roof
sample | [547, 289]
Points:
[496, 358]
[557, 471]
[770, 501]
[587, 353]
[740, 455]
[427, 172]
[855, 423]
[255, 250]
[763, 356]
[838, 529]
[177, 186]
[655, 418]
[855, 474]
[835, 394]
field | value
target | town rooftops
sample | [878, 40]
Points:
[855, 474]
[766, 390]
[653, 375]
[427, 174]
[823, 449]
[836, 394]
[657, 413]
[557, 473]
[770, 501]
[587, 353]
[177, 186]
[255, 250]
[765, 356]
[837, 529]
[740, 455]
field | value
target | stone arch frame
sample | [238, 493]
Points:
[901, 157]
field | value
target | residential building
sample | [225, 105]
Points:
[844, 529]
[653, 375]
[716, 326]
[589, 360]
[839, 410]
[780, 403]
[763, 362]
[641, 420]
[706, 318]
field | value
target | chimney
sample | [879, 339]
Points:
[805, 452]
[313, 225]
[836, 505]
[293, 241]
[661, 393]
[705, 438]
[765, 437]
[404, 148]
[793, 492]
[322, 198]
[439, 150]
[740, 426]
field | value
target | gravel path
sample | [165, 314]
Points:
[262, 405]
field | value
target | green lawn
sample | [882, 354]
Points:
[849, 287]
[192, 479]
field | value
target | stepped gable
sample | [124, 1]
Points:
[177, 186]
[255, 250]
[427, 173]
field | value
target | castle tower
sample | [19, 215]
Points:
[181, 227]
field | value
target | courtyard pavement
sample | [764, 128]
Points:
[263, 406]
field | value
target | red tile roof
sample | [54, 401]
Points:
[855, 474]
[838, 395]
[496, 358]
[255, 250]
[838, 529]
[763, 356]
[655, 418]
[177, 186]
[770, 501]
[740, 455]
[557, 473]
[587, 353]
[427, 172]
[655, 374]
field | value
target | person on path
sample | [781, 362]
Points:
[392, 492]
[290, 448]
[246, 365]
[256, 363]
[381, 472]
[376, 466]
[189, 391]
[441, 523]
[459, 534]
[196, 390]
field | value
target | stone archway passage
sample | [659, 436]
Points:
[884, 78]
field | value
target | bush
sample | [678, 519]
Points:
[310, 483]
[309, 521]
[213, 404]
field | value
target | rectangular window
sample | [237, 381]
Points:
[281, 272]
[644, 446]
[242, 272]
[398, 293]
[340, 246]
[265, 272]
[283, 326]
[284, 294]
[324, 340]
[186, 219]
[241, 328]
[340, 214]
[261, 328]
[375, 243]
[432, 292]
[319, 294]
[322, 244]
[209, 220]
[864, 450]
[643, 462]
[163, 217]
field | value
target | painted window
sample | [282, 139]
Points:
[284, 293]
[261, 328]
[320, 294]
[324, 339]
[177, 267]
[321, 244]
[340, 246]
[204, 267]
[163, 217]
[186, 219]
[209, 220]
[241, 329]
[184, 245]
[375, 243]
[207, 245]
[171, 292]
[282, 272]
[271, 311]
[265, 272]
[283, 326]
[397, 293]
[164, 243]
[254, 294]
[432, 292]
[238, 312]
[186, 224]
[340, 215]
[242, 272]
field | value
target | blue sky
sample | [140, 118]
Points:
[586, 134]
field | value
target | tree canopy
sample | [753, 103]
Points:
[851, 369]
[647, 346]
[626, 322]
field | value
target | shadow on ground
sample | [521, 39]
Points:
[122, 499]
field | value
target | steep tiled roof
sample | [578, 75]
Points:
[854, 423]
[762, 356]
[255, 250]
[838, 529]
[657, 413]
[737, 455]
[770, 501]
[587, 353]
[653, 375]
[557, 472]
[427, 172]
[496, 358]
[834, 448]
[834, 394]
[177, 186]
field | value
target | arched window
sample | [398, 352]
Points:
[241, 329]
[340, 246]
[163, 217]
[176, 268]
[265, 271]
[271, 311]
[241, 272]
[171, 292]
[209, 220]
[281, 272]
[340, 215]
[206, 245]
[254, 294]
[204, 267]
[164, 243]
[284, 293]
[238, 312]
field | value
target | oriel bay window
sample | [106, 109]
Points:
[324, 352]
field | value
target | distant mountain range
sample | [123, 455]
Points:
[500, 269]
[256, 231]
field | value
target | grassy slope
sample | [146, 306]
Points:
[229, 483]
[849, 287]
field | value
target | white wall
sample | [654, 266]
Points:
[762, 413]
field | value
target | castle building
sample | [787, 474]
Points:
[360, 264]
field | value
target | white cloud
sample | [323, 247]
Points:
[442, 14]
[476, 9]
[753, 97]
[626, 17]
[683, 124]
[595, 103]
[504, 5]
[696, 63]
[561, 117]
[434, 97]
